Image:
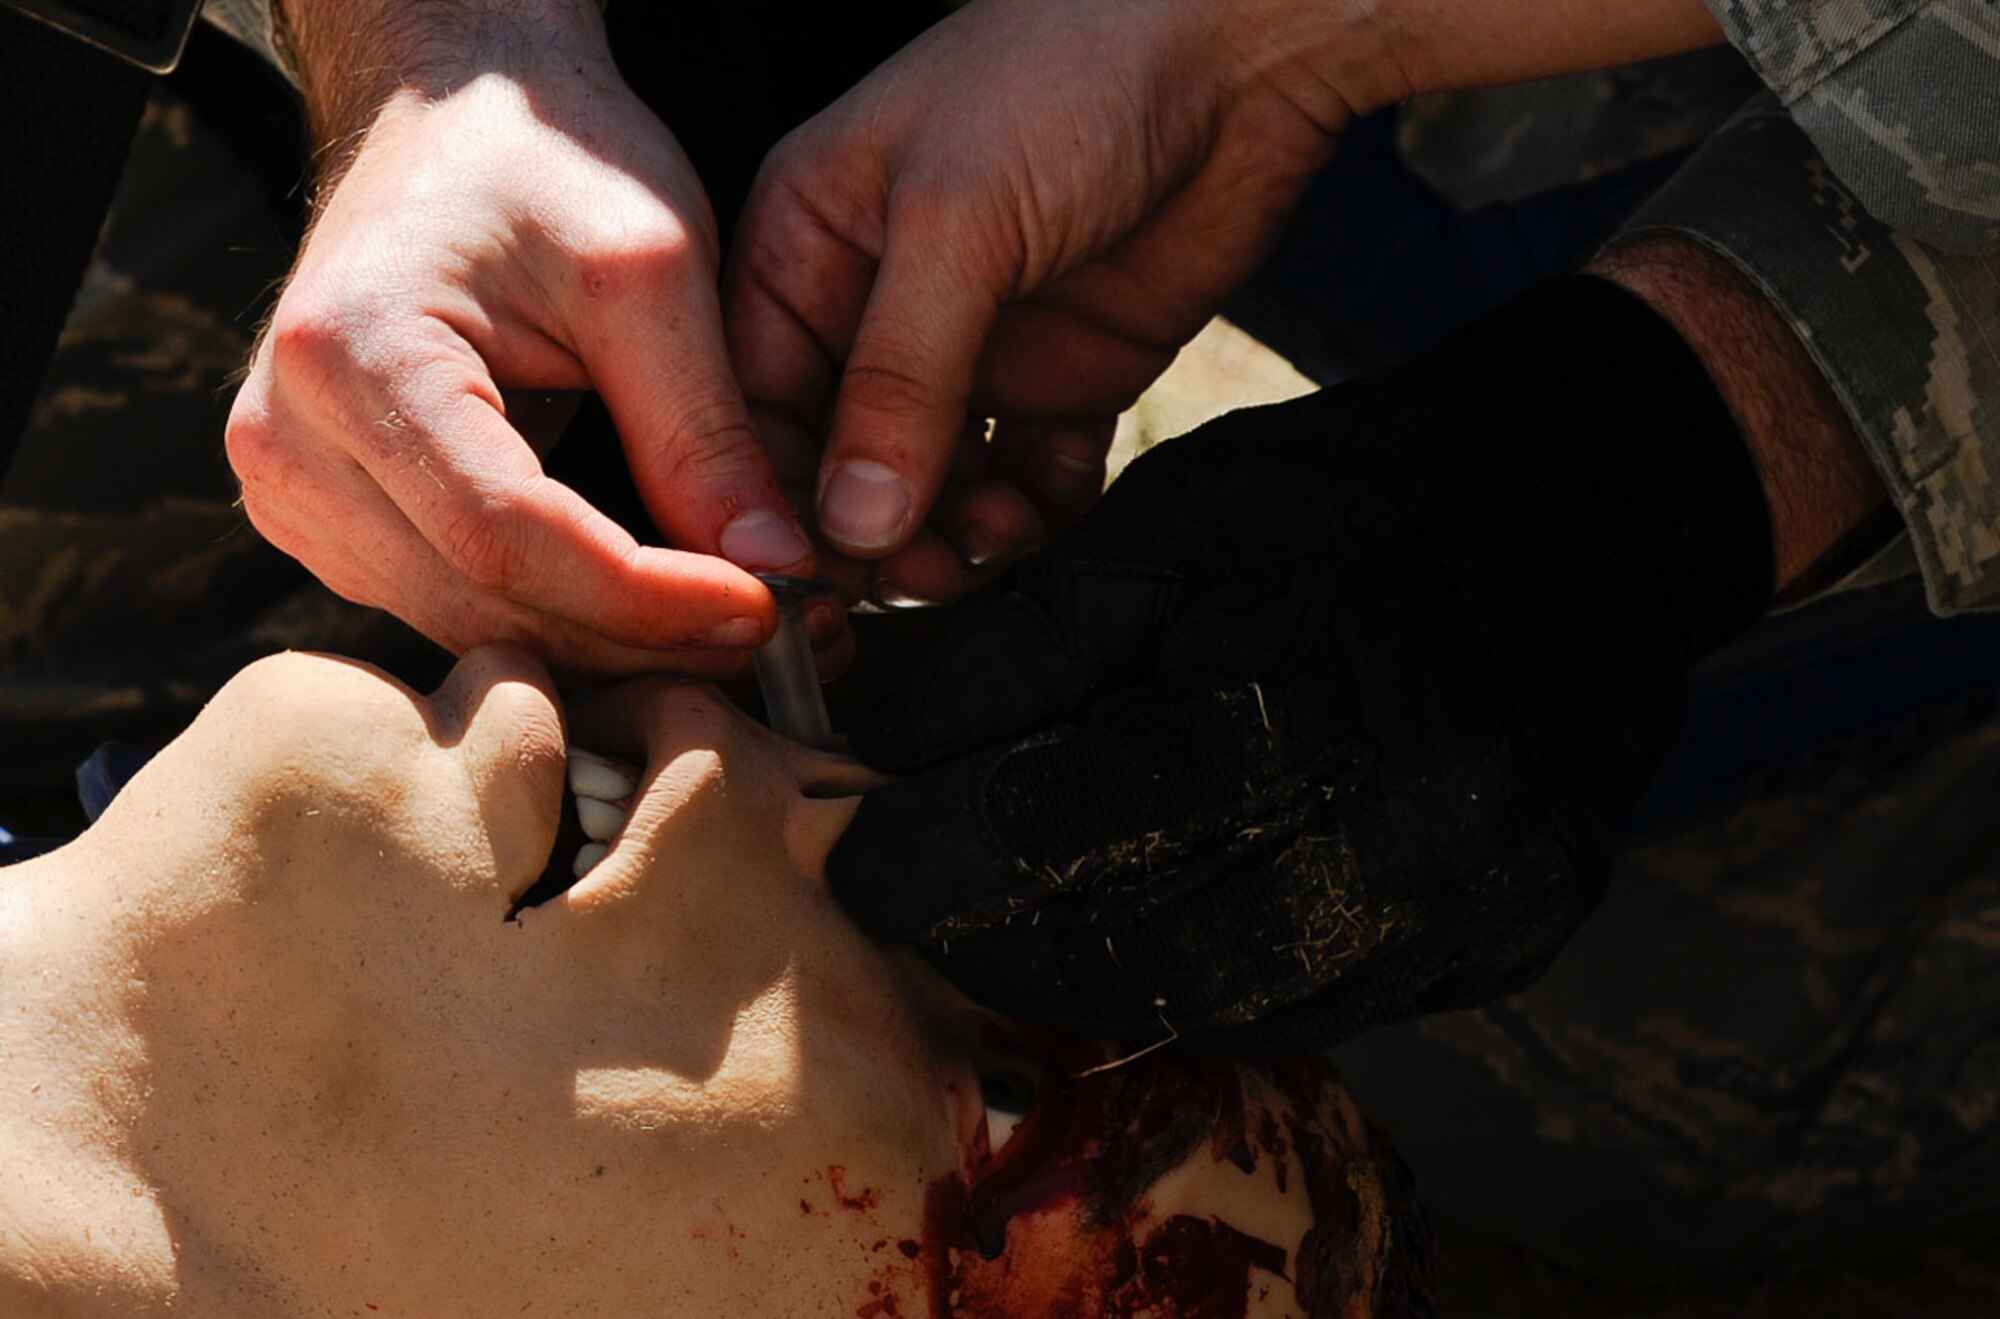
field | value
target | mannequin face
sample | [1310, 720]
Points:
[336, 1074]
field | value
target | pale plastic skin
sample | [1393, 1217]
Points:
[268, 1045]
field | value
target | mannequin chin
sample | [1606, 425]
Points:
[272, 1045]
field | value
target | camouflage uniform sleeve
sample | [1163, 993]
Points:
[1907, 334]
[1902, 98]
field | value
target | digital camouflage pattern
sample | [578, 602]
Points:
[1507, 144]
[1901, 97]
[1875, 227]
[1777, 1040]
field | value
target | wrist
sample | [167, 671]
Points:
[1361, 55]
[356, 58]
[1333, 60]
[1624, 449]
[1818, 483]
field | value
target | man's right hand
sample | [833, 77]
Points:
[512, 217]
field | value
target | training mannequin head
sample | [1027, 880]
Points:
[273, 1045]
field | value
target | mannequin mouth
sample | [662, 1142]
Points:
[598, 792]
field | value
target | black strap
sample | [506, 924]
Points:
[69, 111]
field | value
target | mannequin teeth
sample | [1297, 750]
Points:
[601, 820]
[587, 857]
[1000, 1127]
[594, 776]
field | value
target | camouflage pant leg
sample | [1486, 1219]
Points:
[1778, 1038]
[130, 583]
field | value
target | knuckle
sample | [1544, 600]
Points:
[308, 343]
[887, 381]
[707, 444]
[639, 260]
[250, 441]
[478, 539]
[271, 523]
[792, 169]
[792, 158]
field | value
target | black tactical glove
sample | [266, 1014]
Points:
[1325, 717]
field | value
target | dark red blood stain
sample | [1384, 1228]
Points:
[1229, 1137]
[1183, 1268]
[1057, 1225]
[1387, 1271]
[806, 1207]
[861, 1201]
[1271, 1139]
[1100, 1140]
[909, 1248]
[944, 1237]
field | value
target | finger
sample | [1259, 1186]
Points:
[1002, 833]
[402, 573]
[990, 523]
[656, 354]
[1269, 945]
[1023, 661]
[794, 292]
[902, 398]
[1059, 464]
[440, 449]
[929, 570]
[1104, 362]
[793, 452]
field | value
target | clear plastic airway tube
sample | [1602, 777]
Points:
[793, 703]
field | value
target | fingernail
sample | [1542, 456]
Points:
[1065, 480]
[823, 624]
[980, 546]
[737, 633]
[864, 505]
[892, 594]
[763, 539]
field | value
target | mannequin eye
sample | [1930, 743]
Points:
[1009, 1092]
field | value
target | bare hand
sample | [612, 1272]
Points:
[536, 227]
[1022, 215]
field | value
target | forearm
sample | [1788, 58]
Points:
[1819, 482]
[1345, 57]
[1907, 337]
[352, 56]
